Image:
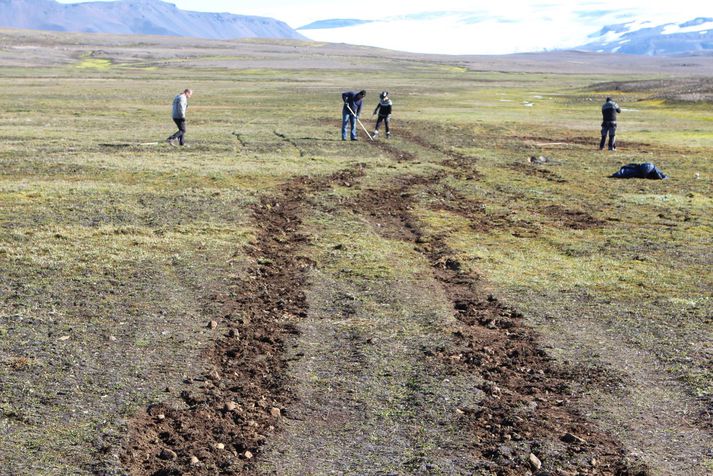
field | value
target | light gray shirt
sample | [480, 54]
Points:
[180, 104]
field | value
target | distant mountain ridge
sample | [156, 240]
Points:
[335, 23]
[141, 17]
[646, 38]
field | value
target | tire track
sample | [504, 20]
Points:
[223, 417]
[529, 408]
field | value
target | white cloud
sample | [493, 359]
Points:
[463, 26]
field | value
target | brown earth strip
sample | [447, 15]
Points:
[290, 141]
[536, 171]
[573, 219]
[395, 152]
[529, 407]
[223, 417]
[461, 164]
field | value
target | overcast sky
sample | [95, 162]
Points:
[501, 26]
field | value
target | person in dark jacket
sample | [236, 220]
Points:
[384, 110]
[350, 112]
[180, 104]
[609, 111]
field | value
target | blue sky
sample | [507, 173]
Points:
[503, 26]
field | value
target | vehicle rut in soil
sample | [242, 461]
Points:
[219, 421]
[528, 406]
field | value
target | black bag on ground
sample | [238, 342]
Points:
[647, 170]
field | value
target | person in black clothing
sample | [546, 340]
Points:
[384, 110]
[350, 112]
[609, 111]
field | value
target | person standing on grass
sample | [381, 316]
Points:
[350, 112]
[180, 104]
[384, 110]
[609, 111]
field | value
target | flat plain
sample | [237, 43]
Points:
[474, 295]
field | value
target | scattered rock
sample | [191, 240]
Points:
[194, 460]
[63, 338]
[594, 462]
[275, 412]
[112, 338]
[161, 416]
[212, 325]
[539, 160]
[233, 333]
[220, 446]
[231, 406]
[167, 455]
[535, 462]
[248, 455]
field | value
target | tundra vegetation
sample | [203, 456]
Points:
[273, 300]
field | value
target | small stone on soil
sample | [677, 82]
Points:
[212, 324]
[230, 406]
[168, 455]
[275, 412]
[220, 446]
[535, 462]
[161, 416]
[194, 460]
[248, 455]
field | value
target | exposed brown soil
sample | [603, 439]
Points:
[461, 164]
[223, 417]
[529, 407]
[536, 171]
[573, 219]
[396, 153]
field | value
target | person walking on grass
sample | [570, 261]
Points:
[609, 111]
[180, 104]
[350, 112]
[384, 110]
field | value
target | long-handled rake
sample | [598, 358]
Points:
[357, 118]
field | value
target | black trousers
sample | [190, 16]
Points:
[181, 123]
[608, 128]
[386, 120]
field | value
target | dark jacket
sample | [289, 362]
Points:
[609, 110]
[384, 108]
[349, 98]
